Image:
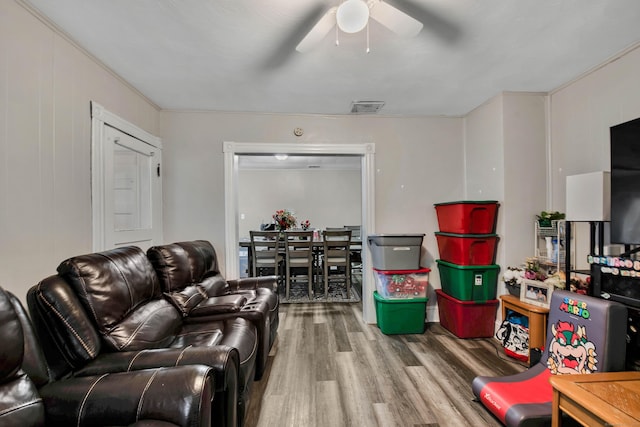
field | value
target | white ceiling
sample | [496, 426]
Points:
[239, 55]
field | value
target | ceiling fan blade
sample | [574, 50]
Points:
[318, 32]
[435, 22]
[395, 20]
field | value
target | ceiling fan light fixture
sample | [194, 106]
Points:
[352, 16]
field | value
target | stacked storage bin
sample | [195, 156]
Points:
[468, 274]
[401, 285]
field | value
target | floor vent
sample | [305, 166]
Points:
[366, 107]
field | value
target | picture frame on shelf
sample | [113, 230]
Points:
[536, 293]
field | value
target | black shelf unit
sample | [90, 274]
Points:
[596, 241]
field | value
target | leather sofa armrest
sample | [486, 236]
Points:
[223, 359]
[219, 305]
[252, 283]
[179, 396]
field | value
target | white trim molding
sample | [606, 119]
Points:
[367, 152]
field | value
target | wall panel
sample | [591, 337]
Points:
[46, 84]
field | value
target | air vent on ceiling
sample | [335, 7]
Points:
[366, 107]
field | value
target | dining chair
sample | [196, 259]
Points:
[265, 249]
[336, 259]
[298, 259]
[356, 250]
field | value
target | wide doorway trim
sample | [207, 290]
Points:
[231, 151]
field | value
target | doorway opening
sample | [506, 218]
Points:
[366, 153]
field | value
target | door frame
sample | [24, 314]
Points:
[367, 153]
[100, 117]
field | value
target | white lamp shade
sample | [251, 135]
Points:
[352, 16]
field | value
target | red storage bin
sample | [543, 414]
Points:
[467, 217]
[467, 249]
[467, 319]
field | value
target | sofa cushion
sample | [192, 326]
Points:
[111, 284]
[12, 348]
[171, 265]
[71, 334]
[120, 290]
[184, 263]
[19, 402]
[186, 299]
[204, 256]
[152, 325]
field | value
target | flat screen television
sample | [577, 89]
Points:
[625, 183]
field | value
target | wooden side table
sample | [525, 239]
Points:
[537, 319]
[600, 399]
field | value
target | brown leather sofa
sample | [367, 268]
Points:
[105, 312]
[190, 278]
[32, 397]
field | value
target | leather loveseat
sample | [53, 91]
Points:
[105, 312]
[32, 397]
[189, 276]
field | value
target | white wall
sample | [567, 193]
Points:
[484, 151]
[581, 114]
[419, 162]
[46, 84]
[505, 151]
[525, 174]
[327, 198]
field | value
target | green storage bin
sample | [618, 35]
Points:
[400, 316]
[469, 282]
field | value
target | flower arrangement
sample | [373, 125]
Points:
[513, 276]
[305, 224]
[284, 219]
[532, 270]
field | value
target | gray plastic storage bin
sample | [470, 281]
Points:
[395, 251]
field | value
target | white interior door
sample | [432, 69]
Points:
[131, 184]
[127, 190]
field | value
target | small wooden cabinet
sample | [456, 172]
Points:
[537, 319]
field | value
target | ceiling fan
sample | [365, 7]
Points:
[352, 16]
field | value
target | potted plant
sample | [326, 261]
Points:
[512, 278]
[545, 218]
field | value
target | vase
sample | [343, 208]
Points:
[513, 289]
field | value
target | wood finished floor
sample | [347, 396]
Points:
[328, 368]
